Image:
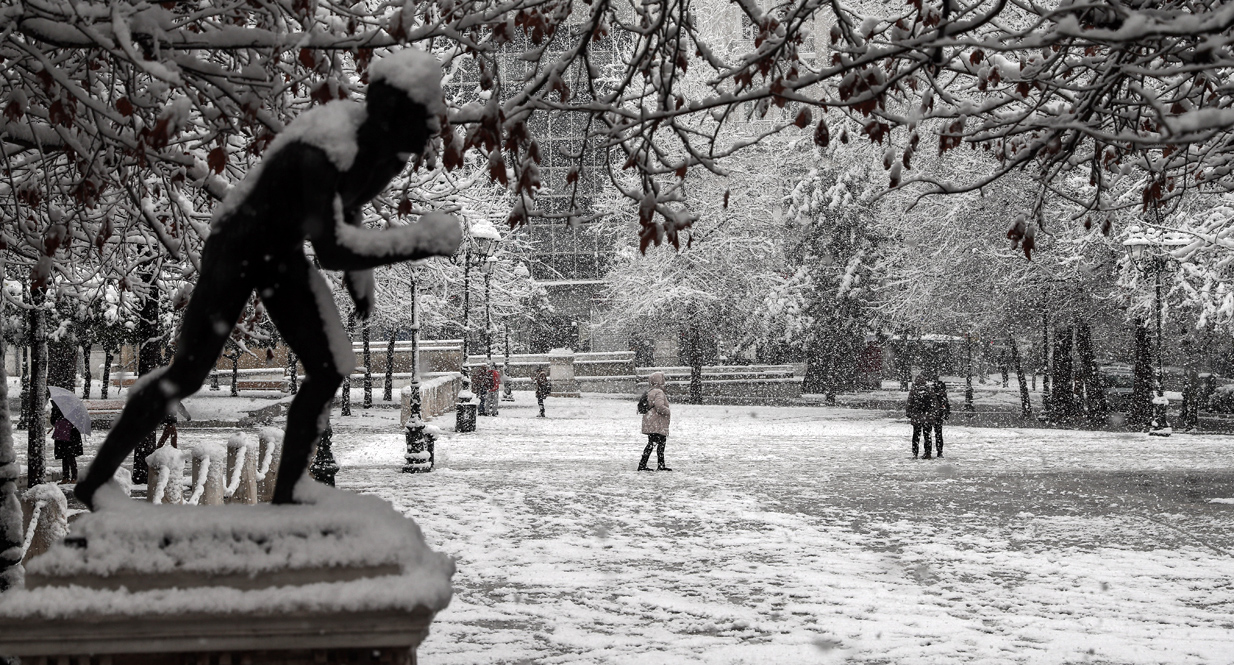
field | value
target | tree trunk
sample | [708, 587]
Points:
[1063, 399]
[293, 378]
[10, 506]
[1046, 405]
[696, 365]
[37, 422]
[85, 375]
[24, 418]
[1095, 406]
[1140, 408]
[235, 375]
[149, 358]
[388, 393]
[107, 360]
[345, 409]
[1026, 405]
[368, 365]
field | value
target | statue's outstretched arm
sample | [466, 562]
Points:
[349, 247]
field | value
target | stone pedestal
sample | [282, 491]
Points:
[561, 373]
[338, 578]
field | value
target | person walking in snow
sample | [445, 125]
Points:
[544, 388]
[655, 421]
[940, 410]
[918, 409]
[480, 380]
[66, 444]
[494, 389]
[312, 184]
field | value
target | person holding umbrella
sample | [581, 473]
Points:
[67, 439]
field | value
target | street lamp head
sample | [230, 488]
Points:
[487, 266]
[486, 237]
[1135, 247]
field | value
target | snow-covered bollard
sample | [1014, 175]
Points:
[46, 511]
[208, 462]
[241, 471]
[166, 476]
[269, 453]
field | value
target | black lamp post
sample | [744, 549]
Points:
[1148, 254]
[419, 442]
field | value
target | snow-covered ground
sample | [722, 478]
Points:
[810, 535]
[805, 535]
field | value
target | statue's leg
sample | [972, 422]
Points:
[213, 310]
[302, 307]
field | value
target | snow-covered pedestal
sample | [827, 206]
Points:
[561, 373]
[339, 572]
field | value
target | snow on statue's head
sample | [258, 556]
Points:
[415, 73]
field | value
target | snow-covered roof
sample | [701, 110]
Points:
[415, 72]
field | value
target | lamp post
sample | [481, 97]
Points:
[486, 237]
[419, 457]
[487, 269]
[1147, 250]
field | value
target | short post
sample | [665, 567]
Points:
[465, 407]
[241, 471]
[208, 462]
[270, 454]
[214, 381]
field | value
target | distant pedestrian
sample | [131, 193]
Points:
[940, 410]
[480, 379]
[169, 433]
[544, 388]
[918, 411]
[67, 444]
[494, 389]
[656, 414]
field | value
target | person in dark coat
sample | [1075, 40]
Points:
[940, 410]
[544, 388]
[67, 444]
[918, 410]
[480, 379]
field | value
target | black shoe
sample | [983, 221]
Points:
[926, 457]
[663, 468]
[644, 468]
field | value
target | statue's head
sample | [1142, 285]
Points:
[404, 100]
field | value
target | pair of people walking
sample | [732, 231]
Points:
[656, 415]
[926, 409]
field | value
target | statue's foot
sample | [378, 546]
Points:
[84, 491]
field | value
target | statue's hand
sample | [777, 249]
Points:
[361, 287]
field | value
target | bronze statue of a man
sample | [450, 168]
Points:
[310, 186]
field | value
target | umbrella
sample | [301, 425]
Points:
[72, 407]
